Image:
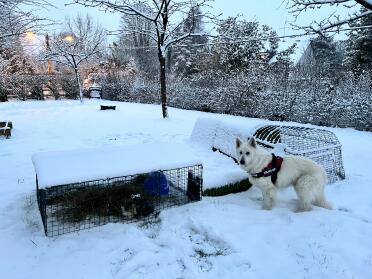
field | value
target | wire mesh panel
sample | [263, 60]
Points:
[322, 146]
[73, 207]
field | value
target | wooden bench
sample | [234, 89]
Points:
[6, 128]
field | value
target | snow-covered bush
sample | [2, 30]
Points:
[52, 86]
[306, 99]
[145, 91]
[36, 91]
[23, 87]
[69, 86]
[116, 87]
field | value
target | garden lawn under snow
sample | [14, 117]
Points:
[223, 237]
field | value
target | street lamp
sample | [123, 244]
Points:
[47, 48]
[29, 35]
[69, 38]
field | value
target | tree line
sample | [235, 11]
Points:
[168, 43]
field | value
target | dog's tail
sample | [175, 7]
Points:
[322, 202]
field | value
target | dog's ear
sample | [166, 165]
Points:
[238, 142]
[252, 142]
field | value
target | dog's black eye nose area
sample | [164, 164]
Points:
[242, 162]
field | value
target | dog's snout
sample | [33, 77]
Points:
[242, 162]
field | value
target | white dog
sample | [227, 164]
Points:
[269, 172]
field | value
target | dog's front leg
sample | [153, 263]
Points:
[269, 197]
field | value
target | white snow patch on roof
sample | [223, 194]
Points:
[80, 165]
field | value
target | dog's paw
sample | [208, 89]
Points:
[268, 202]
[260, 199]
[303, 209]
[267, 207]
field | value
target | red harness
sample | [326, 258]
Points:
[272, 169]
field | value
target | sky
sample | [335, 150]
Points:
[270, 12]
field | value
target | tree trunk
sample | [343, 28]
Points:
[163, 88]
[80, 87]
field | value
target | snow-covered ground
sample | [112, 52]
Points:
[224, 237]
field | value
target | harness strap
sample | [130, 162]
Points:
[272, 169]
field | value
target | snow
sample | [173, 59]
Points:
[204, 132]
[222, 237]
[228, 132]
[108, 162]
[221, 134]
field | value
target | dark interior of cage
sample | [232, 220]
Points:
[268, 133]
[130, 197]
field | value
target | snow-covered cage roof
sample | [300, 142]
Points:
[56, 168]
[221, 134]
[226, 135]
[204, 131]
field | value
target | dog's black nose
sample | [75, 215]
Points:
[242, 162]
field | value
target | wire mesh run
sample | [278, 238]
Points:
[320, 145]
[74, 207]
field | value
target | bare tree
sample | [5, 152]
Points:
[82, 40]
[18, 17]
[163, 15]
[334, 21]
[138, 45]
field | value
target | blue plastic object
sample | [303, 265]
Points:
[156, 184]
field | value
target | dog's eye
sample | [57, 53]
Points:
[241, 153]
[247, 153]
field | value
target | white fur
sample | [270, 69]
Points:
[307, 177]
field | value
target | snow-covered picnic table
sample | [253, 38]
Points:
[74, 166]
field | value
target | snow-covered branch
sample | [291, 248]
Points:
[296, 7]
[365, 3]
[333, 23]
[18, 17]
[138, 31]
[125, 7]
[157, 12]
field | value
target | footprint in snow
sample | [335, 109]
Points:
[117, 265]
[344, 209]
[206, 247]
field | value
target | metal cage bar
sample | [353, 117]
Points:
[77, 206]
